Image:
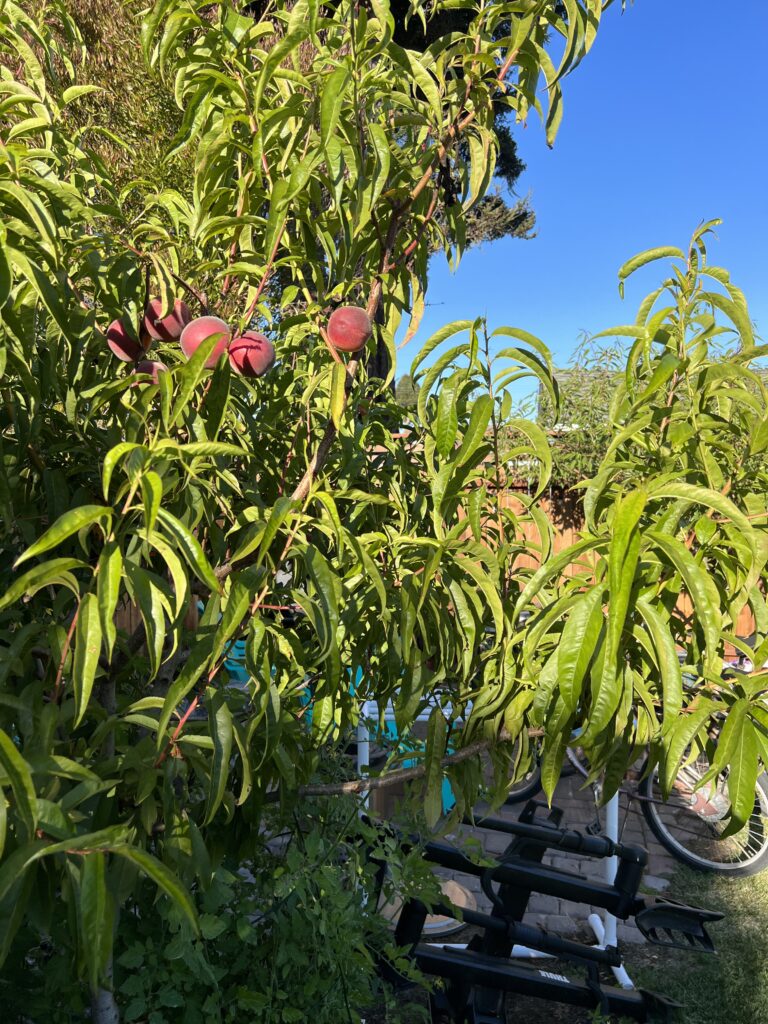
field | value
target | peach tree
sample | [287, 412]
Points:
[197, 412]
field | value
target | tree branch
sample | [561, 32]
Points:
[402, 774]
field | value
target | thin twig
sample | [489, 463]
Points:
[64, 653]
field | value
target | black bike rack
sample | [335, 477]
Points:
[479, 977]
[469, 973]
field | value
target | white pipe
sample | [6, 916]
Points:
[605, 929]
[519, 952]
[363, 747]
[611, 864]
[526, 953]
[619, 973]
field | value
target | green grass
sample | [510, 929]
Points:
[731, 987]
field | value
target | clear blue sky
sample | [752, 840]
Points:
[664, 126]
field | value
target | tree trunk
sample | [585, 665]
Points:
[103, 1006]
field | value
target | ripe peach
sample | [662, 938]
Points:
[151, 366]
[349, 327]
[123, 344]
[251, 354]
[166, 328]
[195, 333]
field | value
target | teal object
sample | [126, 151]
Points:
[234, 663]
[306, 695]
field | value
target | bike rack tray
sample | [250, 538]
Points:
[476, 969]
[677, 926]
[619, 898]
[532, 937]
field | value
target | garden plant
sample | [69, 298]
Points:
[196, 369]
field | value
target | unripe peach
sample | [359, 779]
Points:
[195, 333]
[123, 344]
[251, 354]
[151, 366]
[166, 328]
[349, 327]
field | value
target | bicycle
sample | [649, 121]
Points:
[690, 822]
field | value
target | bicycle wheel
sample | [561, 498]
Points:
[691, 822]
[526, 787]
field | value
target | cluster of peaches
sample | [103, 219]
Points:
[250, 354]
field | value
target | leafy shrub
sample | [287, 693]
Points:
[290, 938]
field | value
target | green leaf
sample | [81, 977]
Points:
[534, 367]
[623, 555]
[383, 160]
[710, 499]
[54, 571]
[234, 613]
[487, 587]
[20, 778]
[3, 821]
[702, 589]
[457, 327]
[744, 767]
[163, 878]
[539, 446]
[552, 763]
[95, 916]
[578, 644]
[193, 668]
[190, 547]
[150, 599]
[87, 651]
[331, 102]
[338, 392]
[277, 215]
[110, 574]
[24, 856]
[647, 256]
[667, 660]
[111, 460]
[682, 733]
[152, 493]
[70, 522]
[74, 92]
[191, 374]
[474, 435]
[437, 733]
[447, 421]
[221, 730]
[552, 569]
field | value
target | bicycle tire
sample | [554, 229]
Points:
[531, 784]
[527, 787]
[688, 823]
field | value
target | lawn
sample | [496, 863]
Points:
[732, 987]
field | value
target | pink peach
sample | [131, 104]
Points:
[122, 343]
[252, 354]
[195, 333]
[169, 327]
[151, 366]
[349, 327]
